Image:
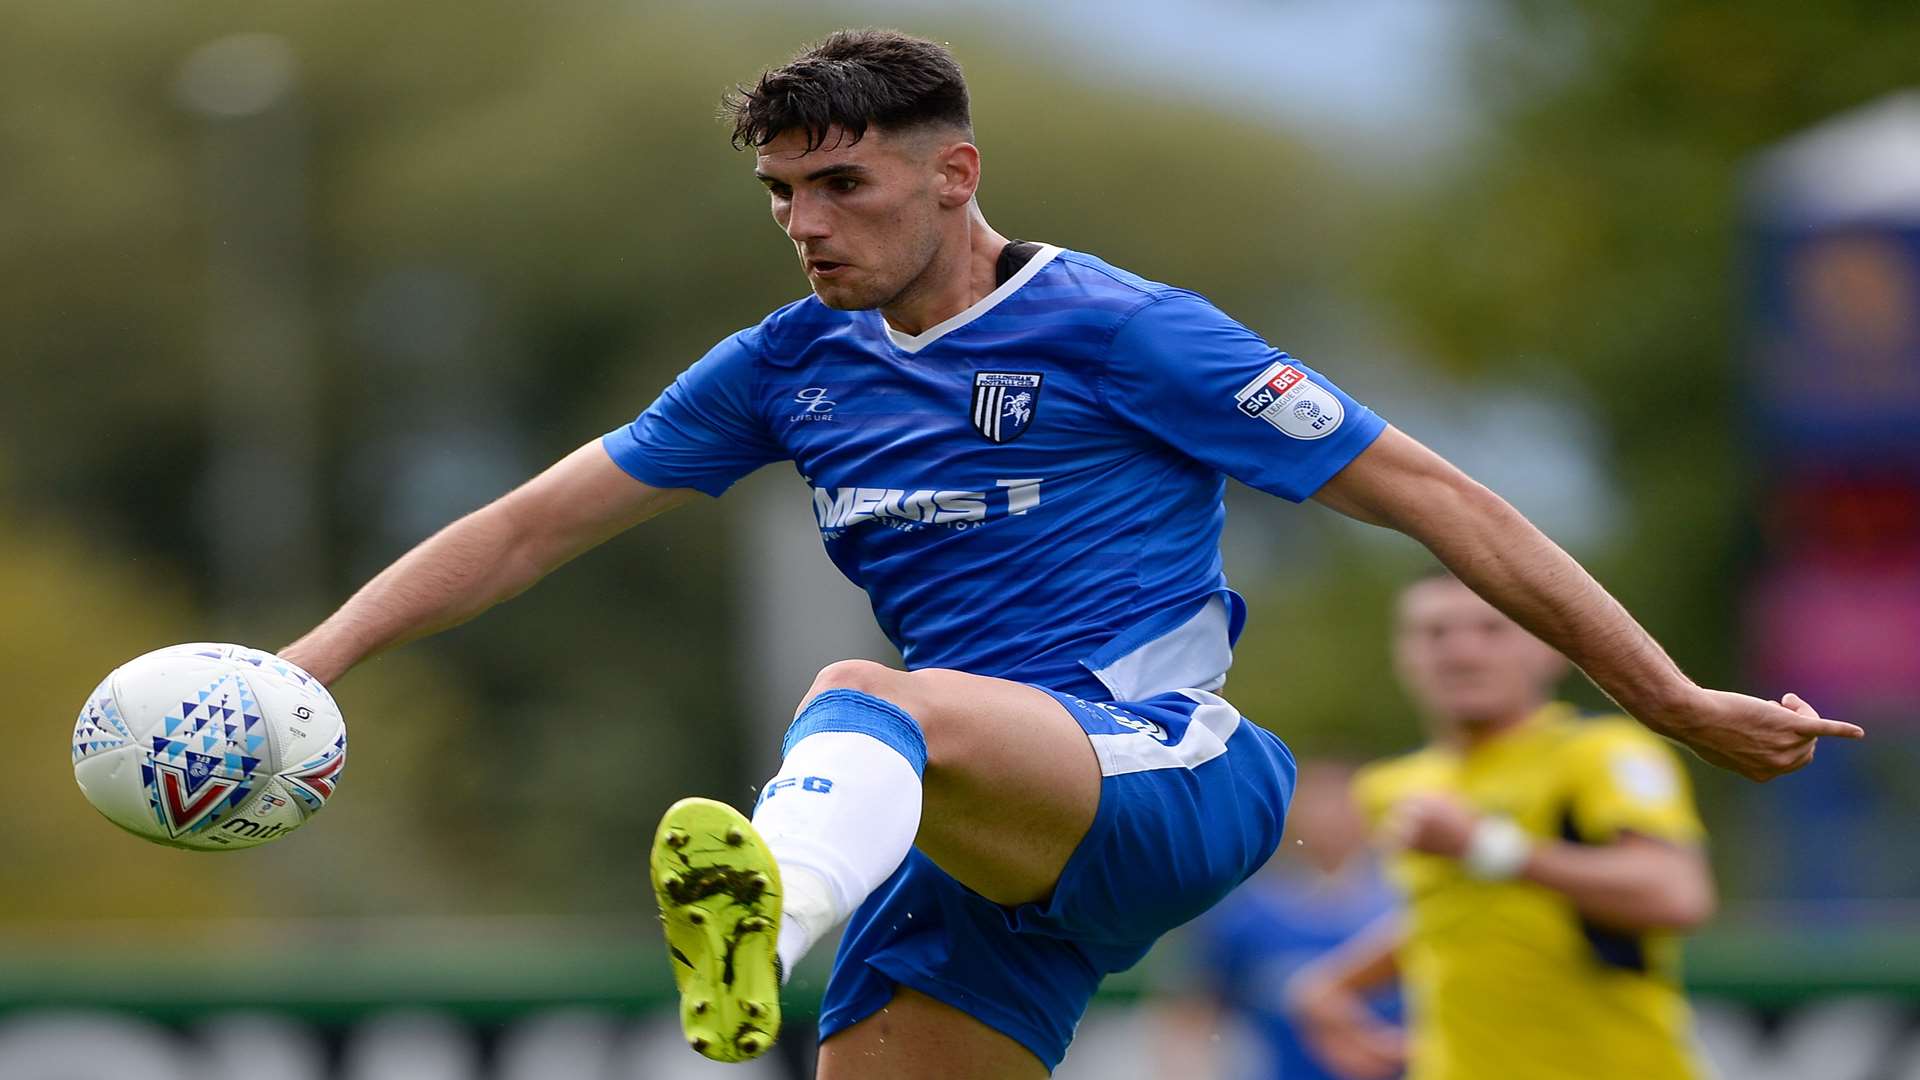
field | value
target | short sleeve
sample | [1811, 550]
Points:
[1184, 372]
[1627, 780]
[702, 432]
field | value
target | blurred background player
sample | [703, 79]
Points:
[1549, 864]
[1323, 887]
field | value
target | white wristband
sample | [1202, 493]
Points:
[1497, 850]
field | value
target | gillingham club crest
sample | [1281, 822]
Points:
[1004, 403]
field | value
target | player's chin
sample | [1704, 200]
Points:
[1481, 711]
[846, 295]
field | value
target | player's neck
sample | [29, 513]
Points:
[957, 279]
[1468, 737]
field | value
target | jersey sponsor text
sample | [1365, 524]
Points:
[839, 508]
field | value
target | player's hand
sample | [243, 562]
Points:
[1346, 1036]
[1435, 824]
[1757, 739]
[314, 661]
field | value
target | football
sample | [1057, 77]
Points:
[209, 747]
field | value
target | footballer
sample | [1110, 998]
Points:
[1549, 863]
[1024, 471]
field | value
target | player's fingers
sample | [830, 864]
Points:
[1386, 1043]
[1401, 823]
[1355, 1060]
[1817, 726]
[1837, 728]
[1339, 1051]
[1379, 1062]
[1388, 834]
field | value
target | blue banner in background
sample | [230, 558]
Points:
[1834, 348]
[1831, 377]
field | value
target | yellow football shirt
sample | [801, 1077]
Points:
[1504, 979]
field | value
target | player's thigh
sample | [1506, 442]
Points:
[914, 1037]
[1012, 784]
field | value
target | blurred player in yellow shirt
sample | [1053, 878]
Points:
[1548, 864]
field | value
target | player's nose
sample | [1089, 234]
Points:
[806, 219]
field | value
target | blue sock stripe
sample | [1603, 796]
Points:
[851, 710]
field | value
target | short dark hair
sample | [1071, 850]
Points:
[853, 80]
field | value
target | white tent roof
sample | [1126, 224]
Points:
[1861, 166]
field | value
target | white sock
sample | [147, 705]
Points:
[841, 813]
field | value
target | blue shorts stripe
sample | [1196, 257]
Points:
[1131, 738]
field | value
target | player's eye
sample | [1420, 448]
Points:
[842, 184]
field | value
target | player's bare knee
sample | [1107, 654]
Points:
[864, 676]
[917, 693]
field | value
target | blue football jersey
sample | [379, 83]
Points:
[1032, 488]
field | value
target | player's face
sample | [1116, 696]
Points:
[864, 216]
[1466, 664]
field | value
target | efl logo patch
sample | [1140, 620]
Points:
[1284, 397]
[1004, 403]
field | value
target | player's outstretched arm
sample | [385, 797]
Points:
[1328, 1001]
[1397, 483]
[488, 556]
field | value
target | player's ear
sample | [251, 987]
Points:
[959, 174]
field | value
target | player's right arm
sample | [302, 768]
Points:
[1211, 388]
[1328, 1000]
[488, 556]
[704, 432]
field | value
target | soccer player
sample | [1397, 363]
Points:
[1323, 887]
[1019, 452]
[1548, 863]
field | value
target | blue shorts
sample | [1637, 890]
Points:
[1192, 802]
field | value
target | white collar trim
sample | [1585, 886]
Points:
[913, 343]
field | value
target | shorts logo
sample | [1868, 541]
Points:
[1140, 724]
[1285, 397]
[1004, 403]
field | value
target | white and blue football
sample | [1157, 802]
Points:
[209, 746]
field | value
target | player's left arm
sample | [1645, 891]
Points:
[1629, 852]
[1399, 484]
[1635, 882]
[1327, 1001]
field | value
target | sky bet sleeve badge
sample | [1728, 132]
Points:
[1003, 403]
[1285, 397]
